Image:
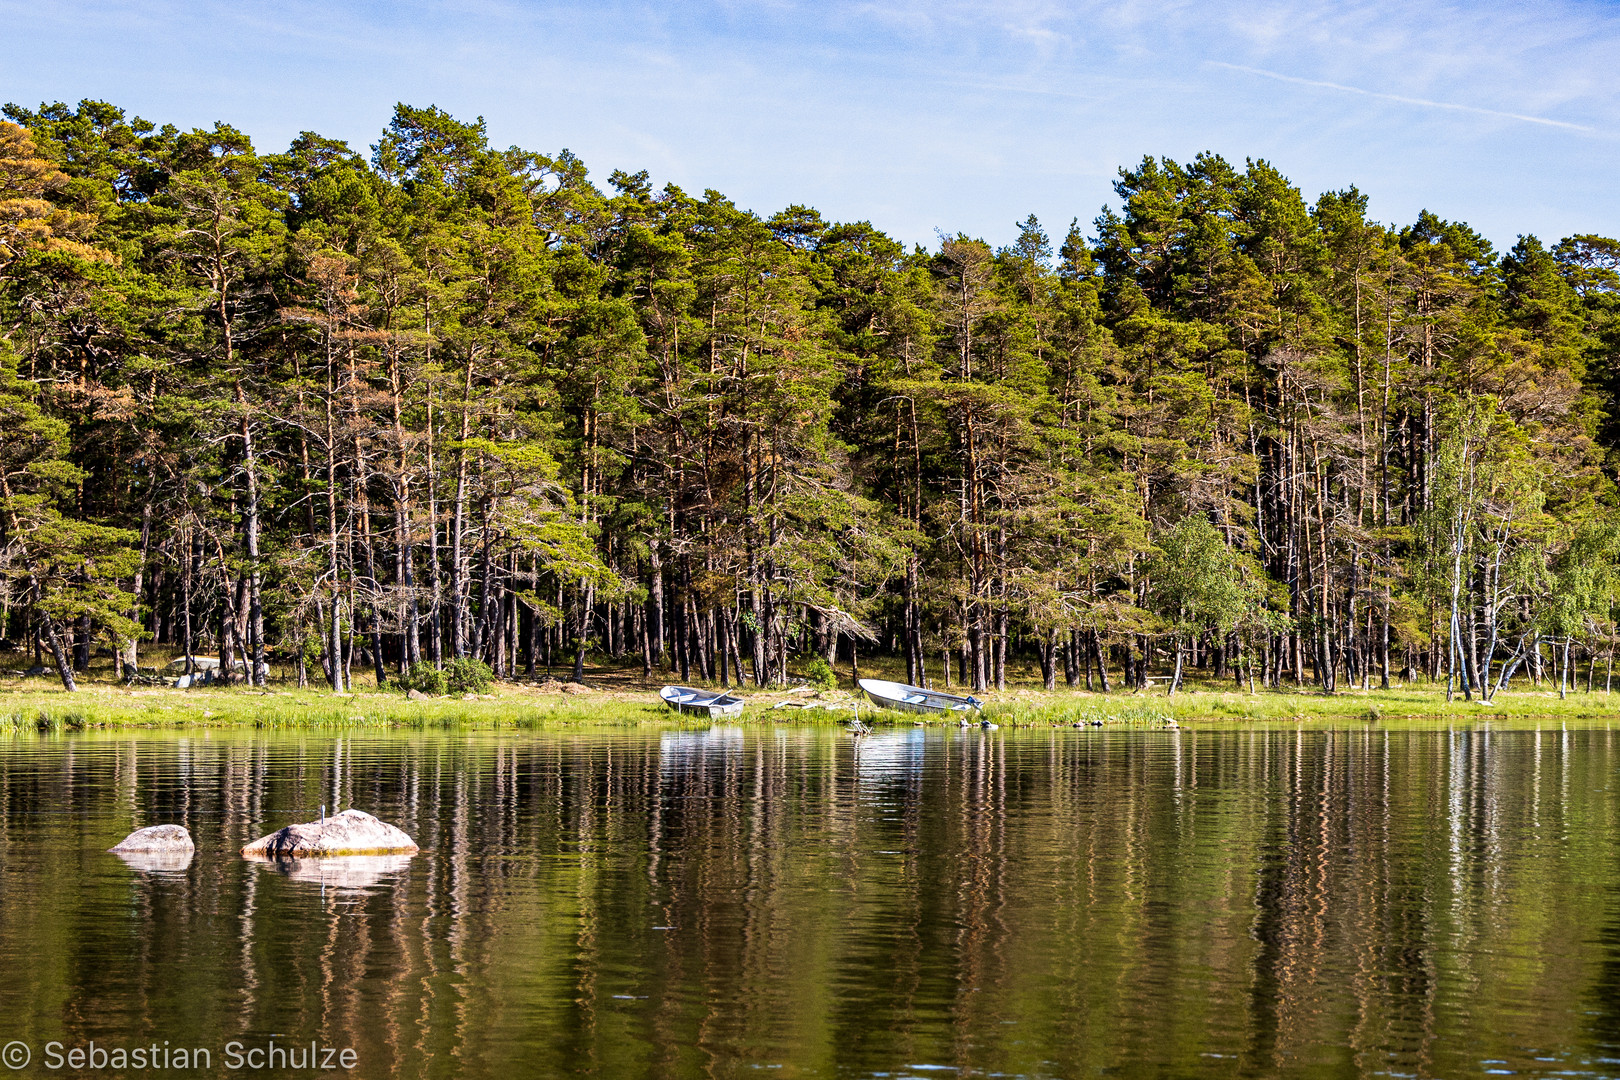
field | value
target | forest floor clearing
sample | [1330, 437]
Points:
[616, 696]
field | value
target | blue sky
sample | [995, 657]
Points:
[916, 116]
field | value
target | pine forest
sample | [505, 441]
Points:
[334, 415]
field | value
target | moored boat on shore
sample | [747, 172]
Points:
[711, 703]
[915, 699]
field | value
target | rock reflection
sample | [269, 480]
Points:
[157, 862]
[345, 873]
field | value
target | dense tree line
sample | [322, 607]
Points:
[452, 401]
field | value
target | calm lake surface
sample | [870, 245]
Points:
[798, 903]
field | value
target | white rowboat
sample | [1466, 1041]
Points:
[711, 703]
[914, 699]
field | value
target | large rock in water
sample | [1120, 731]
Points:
[353, 832]
[156, 840]
[165, 848]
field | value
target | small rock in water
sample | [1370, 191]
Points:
[156, 849]
[165, 839]
[353, 832]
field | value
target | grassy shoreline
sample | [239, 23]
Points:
[620, 701]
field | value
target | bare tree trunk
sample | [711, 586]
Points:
[646, 640]
[1049, 659]
[410, 646]
[257, 667]
[913, 659]
[335, 630]
[405, 578]
[378, 670]
[484, 627]
[1563, 671]
[1100, 653]
[458, 582]
[435, 623]
[1001, 648]
[584, 632]
[760, 638]
[655, 606]
[733, 634]
[1383, 642]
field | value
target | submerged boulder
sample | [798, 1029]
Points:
[156, 840]
[353, 832]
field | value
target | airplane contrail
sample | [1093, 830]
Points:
[1263, 73]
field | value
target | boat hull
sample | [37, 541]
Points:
[914, 699]
[690, 702]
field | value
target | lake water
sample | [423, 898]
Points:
[799, 903]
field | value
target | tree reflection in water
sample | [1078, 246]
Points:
[702, 903]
